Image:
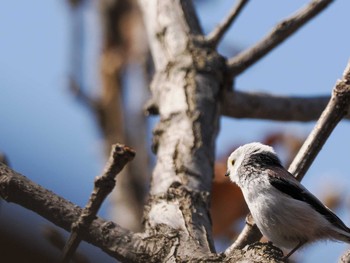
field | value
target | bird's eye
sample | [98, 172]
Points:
[233, 162]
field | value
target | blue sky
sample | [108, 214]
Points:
[51, 139]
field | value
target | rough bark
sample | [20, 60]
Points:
[116, 241]
[18, 189]
[186, 89]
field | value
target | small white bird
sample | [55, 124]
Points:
[284, 210]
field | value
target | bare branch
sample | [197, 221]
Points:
[249, 235]
[336, 109]
[240, 104]
[281, 32]
[56, 239]
[104, 184]
[216, 35]
[184, 138]
[110, 237]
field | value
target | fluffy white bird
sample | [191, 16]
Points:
[284, 210]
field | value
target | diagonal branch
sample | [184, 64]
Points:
[238, 104]
[216, 35]
[104, 184]
[281, 32]
[116, 241]
[336, 109]
[110, 237]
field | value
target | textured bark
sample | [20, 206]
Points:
[116, 241]
[106, 235]
[186, 89]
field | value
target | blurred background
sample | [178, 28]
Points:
[74, 79]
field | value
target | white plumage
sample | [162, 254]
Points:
[284, 211]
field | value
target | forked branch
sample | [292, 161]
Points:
[108, 236]
[104, 184]
[281, 32]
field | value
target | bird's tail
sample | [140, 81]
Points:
[344, 235]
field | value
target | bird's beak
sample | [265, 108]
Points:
[227, 173]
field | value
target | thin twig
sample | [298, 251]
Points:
[104, 184]
[56, 239]
[216, 35]
[282, 31]
[336, 109]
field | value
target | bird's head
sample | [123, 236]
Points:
[256, 154]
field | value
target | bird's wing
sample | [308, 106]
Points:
[295, 190]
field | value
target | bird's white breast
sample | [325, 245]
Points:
[279, 217]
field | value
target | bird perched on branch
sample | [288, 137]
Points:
[284, 210]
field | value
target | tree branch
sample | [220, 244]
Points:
[240, 104]
[116, 241]
[336, 109]
[104, 184]
[264, 106]
[110, 237]
[216, 35]
[249, 235]
[281, 32]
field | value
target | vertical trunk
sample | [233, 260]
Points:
[185, 89]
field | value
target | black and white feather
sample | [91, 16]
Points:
[284, 210]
